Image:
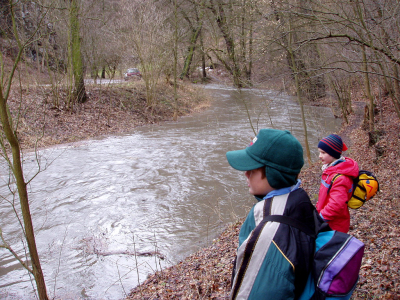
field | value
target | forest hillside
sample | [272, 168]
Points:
[207, 273]
[343, 54]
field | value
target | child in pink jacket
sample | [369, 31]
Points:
[332, 206]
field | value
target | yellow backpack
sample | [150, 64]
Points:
[365, 186]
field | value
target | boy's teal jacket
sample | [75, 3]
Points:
[273, 259]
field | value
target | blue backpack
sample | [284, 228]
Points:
[336, 263]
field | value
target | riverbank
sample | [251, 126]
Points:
[44, 119]
[206, 274]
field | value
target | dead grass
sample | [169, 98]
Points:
[44, 119]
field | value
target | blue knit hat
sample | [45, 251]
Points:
[277, 150]
[333, 145]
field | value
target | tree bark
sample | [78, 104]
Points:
[297, 83]
[190, 52]
[395, 99]
[368, 91]
[16, 167]
[220, 16]
[77, 63]
[175, 117]
[23, 197]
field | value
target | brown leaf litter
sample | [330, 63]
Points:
[206, 274]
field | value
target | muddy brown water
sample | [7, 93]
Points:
[163, 189]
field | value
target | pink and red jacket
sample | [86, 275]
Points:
[333, 207]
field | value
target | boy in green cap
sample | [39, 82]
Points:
[273, 259]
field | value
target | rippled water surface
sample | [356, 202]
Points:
[164, 188]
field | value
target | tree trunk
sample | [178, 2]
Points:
[77, 63]
[311, 85]
[249, 70]
[203, 59]
[175, 117]
[190, 52]
[222, 23]
[23, 197]
[368, 91]
[395, 99]
[297, 83]
[16, 166]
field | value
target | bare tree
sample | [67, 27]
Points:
[371, 27]
[296, 72]
[175, 64]
[227, 14]
[195, 25]
[76, 53]
[151, 41]
[11, 151]
[101, 47]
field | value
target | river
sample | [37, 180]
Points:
[162, 188]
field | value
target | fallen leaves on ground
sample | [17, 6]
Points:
[207, 273]
[44, 117]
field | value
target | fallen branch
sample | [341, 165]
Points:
[150, 253]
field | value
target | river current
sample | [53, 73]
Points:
[162, 189]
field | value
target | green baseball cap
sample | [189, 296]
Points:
[277, 150]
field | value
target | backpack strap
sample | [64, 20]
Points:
[291, 222]
[319, 224]
[247, 255]
[333, 179]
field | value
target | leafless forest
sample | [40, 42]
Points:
[330, 52]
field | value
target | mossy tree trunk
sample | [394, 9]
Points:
[176, 108]
[79, 94]
[218, 10]
[190, 51]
